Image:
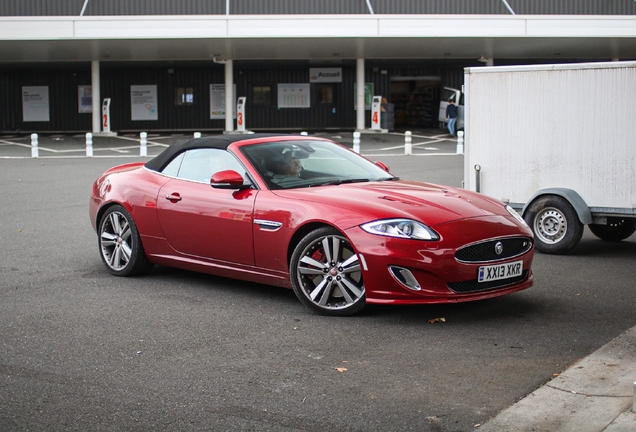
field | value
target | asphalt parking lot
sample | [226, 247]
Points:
[174, 350]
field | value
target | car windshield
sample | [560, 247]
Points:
[295, 164]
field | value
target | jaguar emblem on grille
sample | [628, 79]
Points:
[498, 248]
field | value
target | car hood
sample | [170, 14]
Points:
[426, 202]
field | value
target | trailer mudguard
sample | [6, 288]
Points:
[575, 200]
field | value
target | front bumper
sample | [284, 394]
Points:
[428, 272]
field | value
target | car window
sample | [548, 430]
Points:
[172, 169]
[200, 164]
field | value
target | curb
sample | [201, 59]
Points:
[596, 394]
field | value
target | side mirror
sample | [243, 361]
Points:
[228, 179]
[382, 165]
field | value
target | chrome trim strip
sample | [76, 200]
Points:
[404, 277]
[363, 261]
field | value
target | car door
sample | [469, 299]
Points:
[200, 220]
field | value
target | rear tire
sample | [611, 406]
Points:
[617, 229]
[555, 223]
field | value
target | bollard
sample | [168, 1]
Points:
[89, 144]
[460, 142]
[477, 178]
[408, 146]
[356, 142]
[35, 152]
[197, 135]
[143, 149]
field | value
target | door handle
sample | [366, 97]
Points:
[173, 197]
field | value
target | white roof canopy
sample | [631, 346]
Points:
[315, 37]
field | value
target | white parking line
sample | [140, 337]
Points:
[432, 141]
[80, 151]
[14, 143]
[149, 142]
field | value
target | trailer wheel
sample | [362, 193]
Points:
[617, 229]
[556, 226]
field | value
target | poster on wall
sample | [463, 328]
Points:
[368, 95]
[217, 101]
[143, 102]
[85, 99]
[35, 104]
[293, 96]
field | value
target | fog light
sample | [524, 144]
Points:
[405, 277]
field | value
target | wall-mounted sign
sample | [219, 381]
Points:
[143, 102]
[325, 75]
[217, 101]
[85, 99]
[293, 96]
[35, 104]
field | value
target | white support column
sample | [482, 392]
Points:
[360, 94]
[97, 100]
[229, 96]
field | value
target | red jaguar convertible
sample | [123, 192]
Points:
[309, 214]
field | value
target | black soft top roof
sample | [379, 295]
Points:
[218, 142]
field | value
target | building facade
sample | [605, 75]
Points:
[299, 64]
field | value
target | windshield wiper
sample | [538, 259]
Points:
[339, 182]
[388, 179]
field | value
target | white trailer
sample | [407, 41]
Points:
[558, 143]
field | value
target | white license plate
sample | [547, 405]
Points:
[500, 271]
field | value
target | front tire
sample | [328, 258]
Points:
[617, 229]
[325, 274]
[555, 223]
[120, 244]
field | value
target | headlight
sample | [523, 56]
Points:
[516, 215]
[401, 228]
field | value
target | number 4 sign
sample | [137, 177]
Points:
[375, 112]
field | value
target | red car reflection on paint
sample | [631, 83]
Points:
[308, 214]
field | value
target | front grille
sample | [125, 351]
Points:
[473, 285]
[486, 251]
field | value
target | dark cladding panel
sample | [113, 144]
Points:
[62, 86]
[40, 7]
[156, 7]
[10, 101]
[437, 7]
[497, 7]
[573, 7]
[311, 7]
[308, 7]
[117, 82]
